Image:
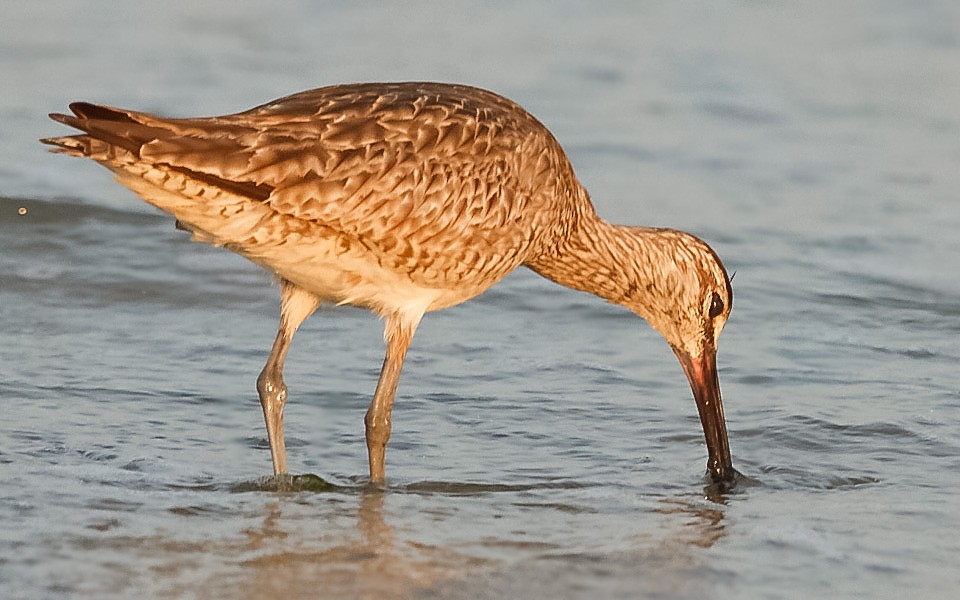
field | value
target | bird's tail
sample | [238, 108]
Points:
[217, 211]
[110, 133]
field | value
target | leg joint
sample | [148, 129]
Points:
[377, 423]
[271, 388]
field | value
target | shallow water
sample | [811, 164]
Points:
[545, 444]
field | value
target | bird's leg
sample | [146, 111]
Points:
[398, 332]
[273, 395]
[296, 304]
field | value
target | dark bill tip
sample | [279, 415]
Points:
[701, 371]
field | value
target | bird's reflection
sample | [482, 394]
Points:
[703, 524]
[356, 550]
[373, 528]
[362, 559]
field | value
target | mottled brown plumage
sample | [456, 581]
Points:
[406, 198]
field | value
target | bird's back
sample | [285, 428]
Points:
[446, 186]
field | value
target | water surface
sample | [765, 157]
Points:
[545, 443]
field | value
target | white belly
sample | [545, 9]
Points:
[354, 278]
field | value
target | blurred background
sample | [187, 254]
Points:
[545, 443]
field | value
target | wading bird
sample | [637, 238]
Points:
[406, 198]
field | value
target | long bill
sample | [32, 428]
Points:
[702, 373]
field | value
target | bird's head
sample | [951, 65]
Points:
[687, 297]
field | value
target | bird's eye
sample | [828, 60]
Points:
[716, 306]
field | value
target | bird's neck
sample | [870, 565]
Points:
[614, 262]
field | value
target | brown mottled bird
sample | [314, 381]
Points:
[406, 198]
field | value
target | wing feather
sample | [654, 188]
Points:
[443, 183]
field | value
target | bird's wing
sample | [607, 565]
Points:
[440, 181]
